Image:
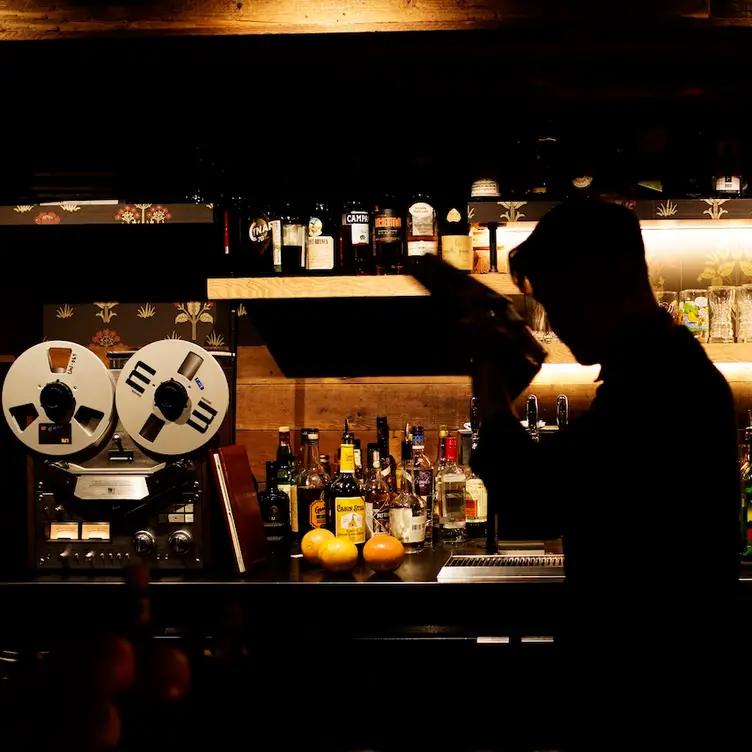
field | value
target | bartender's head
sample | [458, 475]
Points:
[585, 264]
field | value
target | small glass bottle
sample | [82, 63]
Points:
[275, 505]
[377, 498]
[311, 486]
[450, 492]
[407, 513]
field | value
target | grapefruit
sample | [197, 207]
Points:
[312, 542]
[338, 554]
[383, 553]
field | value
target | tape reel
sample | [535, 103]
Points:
[58, 398]
[172, 397]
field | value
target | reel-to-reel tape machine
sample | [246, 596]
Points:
[119, 472]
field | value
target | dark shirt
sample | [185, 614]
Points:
[644, 489]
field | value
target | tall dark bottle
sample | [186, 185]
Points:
[345, 503]
[356, 251]
[388, 237]
[275, 512]
[322, 241]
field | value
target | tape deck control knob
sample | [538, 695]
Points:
[180, 542]
[143, 542]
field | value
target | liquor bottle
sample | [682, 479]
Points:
[388, 237]
[311, 487]
[345, 504]
[356, 252]
[407, 513]
[531, 413]
[293, 240]
[727, 177]
[423, 486]
[322, 240]
[450, 496]
[422, 226]
[562, 411]
[441, 453]
[456, 241]
[377, 497]
[483, 190]
[388, 463]
[286, 475]
[275, 511]
[476, 496]
[265, 240]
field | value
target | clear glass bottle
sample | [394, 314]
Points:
[311, 487]
[423, 480]
[407, 513]
[345, 504]
[450, 493]
[377, 498]
[275, 510]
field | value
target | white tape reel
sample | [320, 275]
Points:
[58, 398]
[172, 396]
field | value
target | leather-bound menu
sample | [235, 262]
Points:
[236, 488]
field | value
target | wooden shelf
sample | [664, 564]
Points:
[281, 288]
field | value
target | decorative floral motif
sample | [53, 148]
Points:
[106, 313]
[158, 215]
[23, 208]
[512, 213]
[667, 209]
[128, 215]
[65, 312]
[214, 340]
[146, 311]
[106, 338]
[70, 206]
[715, 211]
[242, 311]
[470, 213]
[47, 218]
[174, 335]
[194, 312]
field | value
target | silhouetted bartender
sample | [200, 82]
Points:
[643, 487]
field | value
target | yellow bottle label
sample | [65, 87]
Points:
[350, 518]
[457, 250]
[317, 513]
[347, 458]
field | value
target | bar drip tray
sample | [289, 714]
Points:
[503, 568]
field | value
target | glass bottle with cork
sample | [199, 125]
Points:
[345, 504]
[450, 493]
[311, 488]
[407, 513]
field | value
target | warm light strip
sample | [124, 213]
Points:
[736, 371]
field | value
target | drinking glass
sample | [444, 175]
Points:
[539, 322]
[721, 299]
[694, 312]
[669, 301]
[744, 309]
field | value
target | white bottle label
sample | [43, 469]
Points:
[276, 227]
[422, 247]
[423, 219]
[320, 252]
[407, 528]
[359, 227]
[457, 250]
[728, 184]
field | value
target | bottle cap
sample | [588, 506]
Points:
[284, 429]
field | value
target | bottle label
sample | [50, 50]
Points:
[423, 219]
[315, 227]
[350, 518]
[260, 233]
[359, 227]
[454, 215]
[292, 493]
[728, 184]
[485, 188]
[387, 226]
[422, 247]
[275, 226]
[457, 250]
[320, 252]
[407, 528]
[377, 516]
[423, 483]
[317, 513]
[476, 500]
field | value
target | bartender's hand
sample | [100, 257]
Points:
[88, 689]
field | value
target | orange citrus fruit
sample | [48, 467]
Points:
[312, 542]
[383, 553]
[338, 554]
